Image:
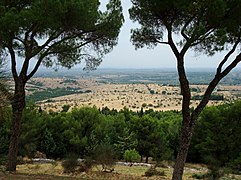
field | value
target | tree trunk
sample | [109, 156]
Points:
[18, 104]
[147, 159]
[187, 131]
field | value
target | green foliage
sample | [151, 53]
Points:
[81, 131]
[5, 116]
[64, 30]
[215, 173]
[86, 165]
[65, 108]
[83, 122]
[216, 141]
[198, 23]
[143, 105]
[70, 163]
[125, 141]
[106, 136]
[199, 176]
[236, 163]
[105, 155]
[131, 155]
[49, 93]
[32, 127]
[155, 135]
[152, 91]
[47, 143]
[215, 97]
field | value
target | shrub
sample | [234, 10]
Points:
[164, 92]
[152, 171]
[3, 159]
[152, 92]
[65, 108]
[131, 155]
[236, 164]
[70, 163]
[199, 176]
[47, 143]
[106, 156]
[144, 105]
[217, 173]
[85, 165]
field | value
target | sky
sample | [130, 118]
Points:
[124, 54]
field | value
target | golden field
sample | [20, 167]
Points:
[132, 96]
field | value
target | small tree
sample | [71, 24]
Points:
[131, 156]
[205, 26]
[70, 163]
[47, 144]
[52, 33]
[105, 155]
[65, 108]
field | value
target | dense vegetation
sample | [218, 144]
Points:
[53, 93]
[70, 32]
[207, 27]
[151, 133]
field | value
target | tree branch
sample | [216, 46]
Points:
[218, 77]
[171, 43]
[13, 62]
[19, 39]
[35, 68]
[185, 89]
[219, 69]
[49, 52]
[24, 70]
[44, 45]
[202, 38]
[161, 42]
[184, 28]
[195, 39]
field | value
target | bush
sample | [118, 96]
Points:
[215, 173]
[131, 155]
[236, 164]
[70, 164]
[106, 156]
[199, 176]
[85, 165]
[3, 160]
[152, 171]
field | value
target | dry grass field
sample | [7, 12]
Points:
[55, 171]
[92, 92]
[117, 96]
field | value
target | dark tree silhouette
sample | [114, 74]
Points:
[52, 33]
[205, 26]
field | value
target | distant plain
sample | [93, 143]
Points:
[134, 89]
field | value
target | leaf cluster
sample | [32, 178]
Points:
[217, 135]
[89, 132]
[59, 32]
[206, 26]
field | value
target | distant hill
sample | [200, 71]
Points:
[130, 76]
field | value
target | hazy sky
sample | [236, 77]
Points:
[124, 54]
